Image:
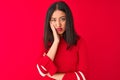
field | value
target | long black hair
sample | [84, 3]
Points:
[69, 35]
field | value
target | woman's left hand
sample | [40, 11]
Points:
[57, 76]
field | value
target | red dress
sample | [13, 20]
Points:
[72, 62]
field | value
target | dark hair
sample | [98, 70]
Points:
[69, 35]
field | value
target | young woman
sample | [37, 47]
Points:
[63, 55]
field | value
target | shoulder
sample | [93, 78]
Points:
[82, 50]
[81, 40]
[81, 43]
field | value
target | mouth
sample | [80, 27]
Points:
[59, 29]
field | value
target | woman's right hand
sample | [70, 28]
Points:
[55, 34]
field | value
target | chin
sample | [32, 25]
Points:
[60, 33]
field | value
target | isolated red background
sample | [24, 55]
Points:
[21, 30]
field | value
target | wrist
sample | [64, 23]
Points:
[56, 41]
[58, 76]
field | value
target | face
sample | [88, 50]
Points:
[58, 19]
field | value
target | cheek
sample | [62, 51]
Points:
[64, 25]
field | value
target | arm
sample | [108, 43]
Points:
[82, 66]
[81, 72]
[78, 75]
[46, 64]
[53, 49]
[57, 76]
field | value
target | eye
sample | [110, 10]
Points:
[53, 20]
[62, 18]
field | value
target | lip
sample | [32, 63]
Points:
[59, 29]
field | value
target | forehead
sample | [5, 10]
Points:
[58, 13]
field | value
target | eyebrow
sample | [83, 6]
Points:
[60, 17]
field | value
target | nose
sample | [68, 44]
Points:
[58, 24]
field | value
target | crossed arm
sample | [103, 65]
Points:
[48, 70]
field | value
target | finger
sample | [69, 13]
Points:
[52, 27]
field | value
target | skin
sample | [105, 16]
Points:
[58, 20]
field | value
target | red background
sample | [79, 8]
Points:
[21, 30]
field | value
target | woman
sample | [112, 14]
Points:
[63, 56]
